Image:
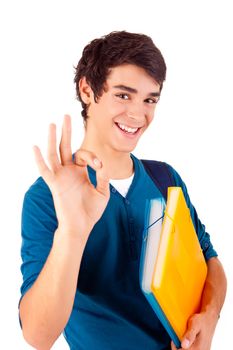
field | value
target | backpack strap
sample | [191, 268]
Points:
[160, 175]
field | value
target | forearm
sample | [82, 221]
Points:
[214, 291]
[46, 307]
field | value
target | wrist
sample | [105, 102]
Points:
[211, 315]
[72, 235]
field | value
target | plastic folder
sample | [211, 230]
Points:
[151, 238]
[178, 264]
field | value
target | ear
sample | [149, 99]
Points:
[85, 90]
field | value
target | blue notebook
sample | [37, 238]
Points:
[154, 213]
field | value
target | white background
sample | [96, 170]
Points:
[40, 43]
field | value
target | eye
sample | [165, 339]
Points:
[123, 96]
[152, 100]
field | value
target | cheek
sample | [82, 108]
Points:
[117, 108]
[150, 115]
[109, 109]
[150, 118]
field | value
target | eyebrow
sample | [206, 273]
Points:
[134, 91]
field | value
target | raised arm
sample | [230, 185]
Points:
[47, 305]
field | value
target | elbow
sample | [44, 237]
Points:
[38, 331]
[35, 336]
[36, 340]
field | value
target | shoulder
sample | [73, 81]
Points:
[175, 174]
[38, 217]
[38, 199]
[39, 189]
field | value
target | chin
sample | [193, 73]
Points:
[125, 149]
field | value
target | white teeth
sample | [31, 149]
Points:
[131, 130]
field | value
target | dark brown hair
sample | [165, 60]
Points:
[112, 50]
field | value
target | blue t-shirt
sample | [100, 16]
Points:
[110, 310]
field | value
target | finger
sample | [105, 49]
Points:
[42, 167]
[84, 158]
[191, 333]
[52, 148]
[173, 347]
[65, 144]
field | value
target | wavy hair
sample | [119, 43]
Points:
[115, 49]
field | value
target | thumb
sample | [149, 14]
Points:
[191, 333]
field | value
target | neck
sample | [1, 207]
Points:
[119, 165]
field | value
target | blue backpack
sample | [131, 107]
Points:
[160, 174]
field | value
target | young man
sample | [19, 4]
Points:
[83, 219]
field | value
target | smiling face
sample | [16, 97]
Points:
[123, 112]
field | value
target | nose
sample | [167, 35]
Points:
[136, 112]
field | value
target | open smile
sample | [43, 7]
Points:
[129, 131]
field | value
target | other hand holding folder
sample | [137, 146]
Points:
[173, 268]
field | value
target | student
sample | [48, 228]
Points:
[81, 234]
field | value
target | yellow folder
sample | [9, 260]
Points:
[180, 269]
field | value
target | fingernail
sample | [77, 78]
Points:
[96, 162]
[185, 344]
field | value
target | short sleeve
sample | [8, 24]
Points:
[203, 236]
[38, 225]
